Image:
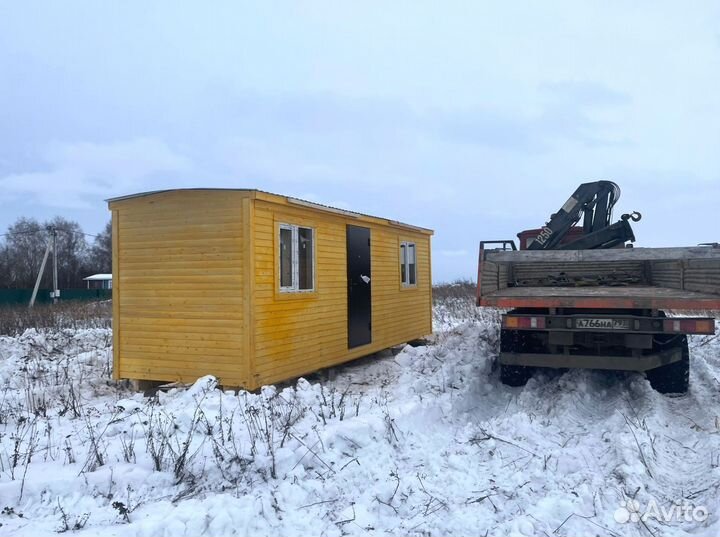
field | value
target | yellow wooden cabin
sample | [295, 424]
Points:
[257, 288]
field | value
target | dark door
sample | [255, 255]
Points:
[358, 277]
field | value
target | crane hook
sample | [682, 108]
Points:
[634, 216]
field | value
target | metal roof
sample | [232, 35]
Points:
[98, 277]
[153, 192]
[290, 199]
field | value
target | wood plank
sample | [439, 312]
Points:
[274, 370]
[182, 325]
[199, 280]
[162, 254]
[170, 272]
[200, 244]
[116, 294]
[208, 313]
[220, 215]
[199, 333]
[180, 303]
[162, 292]
[198, 368]
[248, 320]
[177, 352]
[612, 254]
[153, 266]
[601, 297]
[170, 342]
[599, 291]
[296, 330]
[180, 287]
[206, 223]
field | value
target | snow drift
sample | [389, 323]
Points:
[423, 442]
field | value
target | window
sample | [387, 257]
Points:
[297, 258]
[407, 264]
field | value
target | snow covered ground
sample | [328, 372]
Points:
[423, 442]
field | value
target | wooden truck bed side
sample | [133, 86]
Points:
[668, 278]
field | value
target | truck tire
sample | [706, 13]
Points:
[675, 377]
[515, 375]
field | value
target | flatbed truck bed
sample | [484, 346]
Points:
[666, 278]
[636, 297]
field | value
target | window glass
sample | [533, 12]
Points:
[407, 264]
[411, 263]
[286, 257]
[297, 258]
[305, 258]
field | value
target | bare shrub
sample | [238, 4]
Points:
[333, 405]
[127, 442]
[125, 508]
[168, 451]
[462, 288]
[70, 522]
[455, 303]
[97, 450]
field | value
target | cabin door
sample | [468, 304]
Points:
[359, 286]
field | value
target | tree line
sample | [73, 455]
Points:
[79, 254]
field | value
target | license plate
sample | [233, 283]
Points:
[606, 324]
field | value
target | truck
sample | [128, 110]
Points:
[582, 296]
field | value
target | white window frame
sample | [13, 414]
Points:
[295, 272]
[405, 265]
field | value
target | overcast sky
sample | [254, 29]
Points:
[476, 119]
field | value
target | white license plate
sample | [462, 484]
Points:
[607, 324]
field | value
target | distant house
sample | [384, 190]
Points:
[99, 281]
[257, 288]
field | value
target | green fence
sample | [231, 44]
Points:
[22, 296]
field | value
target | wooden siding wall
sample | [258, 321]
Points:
[297, 333]
[178, 287]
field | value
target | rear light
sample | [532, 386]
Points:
[523, 322]
[689, 326]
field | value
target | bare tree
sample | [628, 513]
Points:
[100, 258]
[23, 251]
[72, 251]
[24, 247]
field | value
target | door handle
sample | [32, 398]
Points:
[364, 278]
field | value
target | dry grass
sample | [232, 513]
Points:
[463, 289]
[454, 303]
[14, 320]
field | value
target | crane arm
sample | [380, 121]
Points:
[594, 202]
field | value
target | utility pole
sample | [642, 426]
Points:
[39, 276]
[56, 292]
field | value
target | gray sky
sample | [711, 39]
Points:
[476, 119]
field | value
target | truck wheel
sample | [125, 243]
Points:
[675, 377]
[515, 375]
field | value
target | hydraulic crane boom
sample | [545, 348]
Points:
[595, 202]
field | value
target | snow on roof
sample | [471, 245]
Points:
[98, 277]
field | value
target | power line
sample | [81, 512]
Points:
[76, 232]
[31, 231]
[27, 232]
